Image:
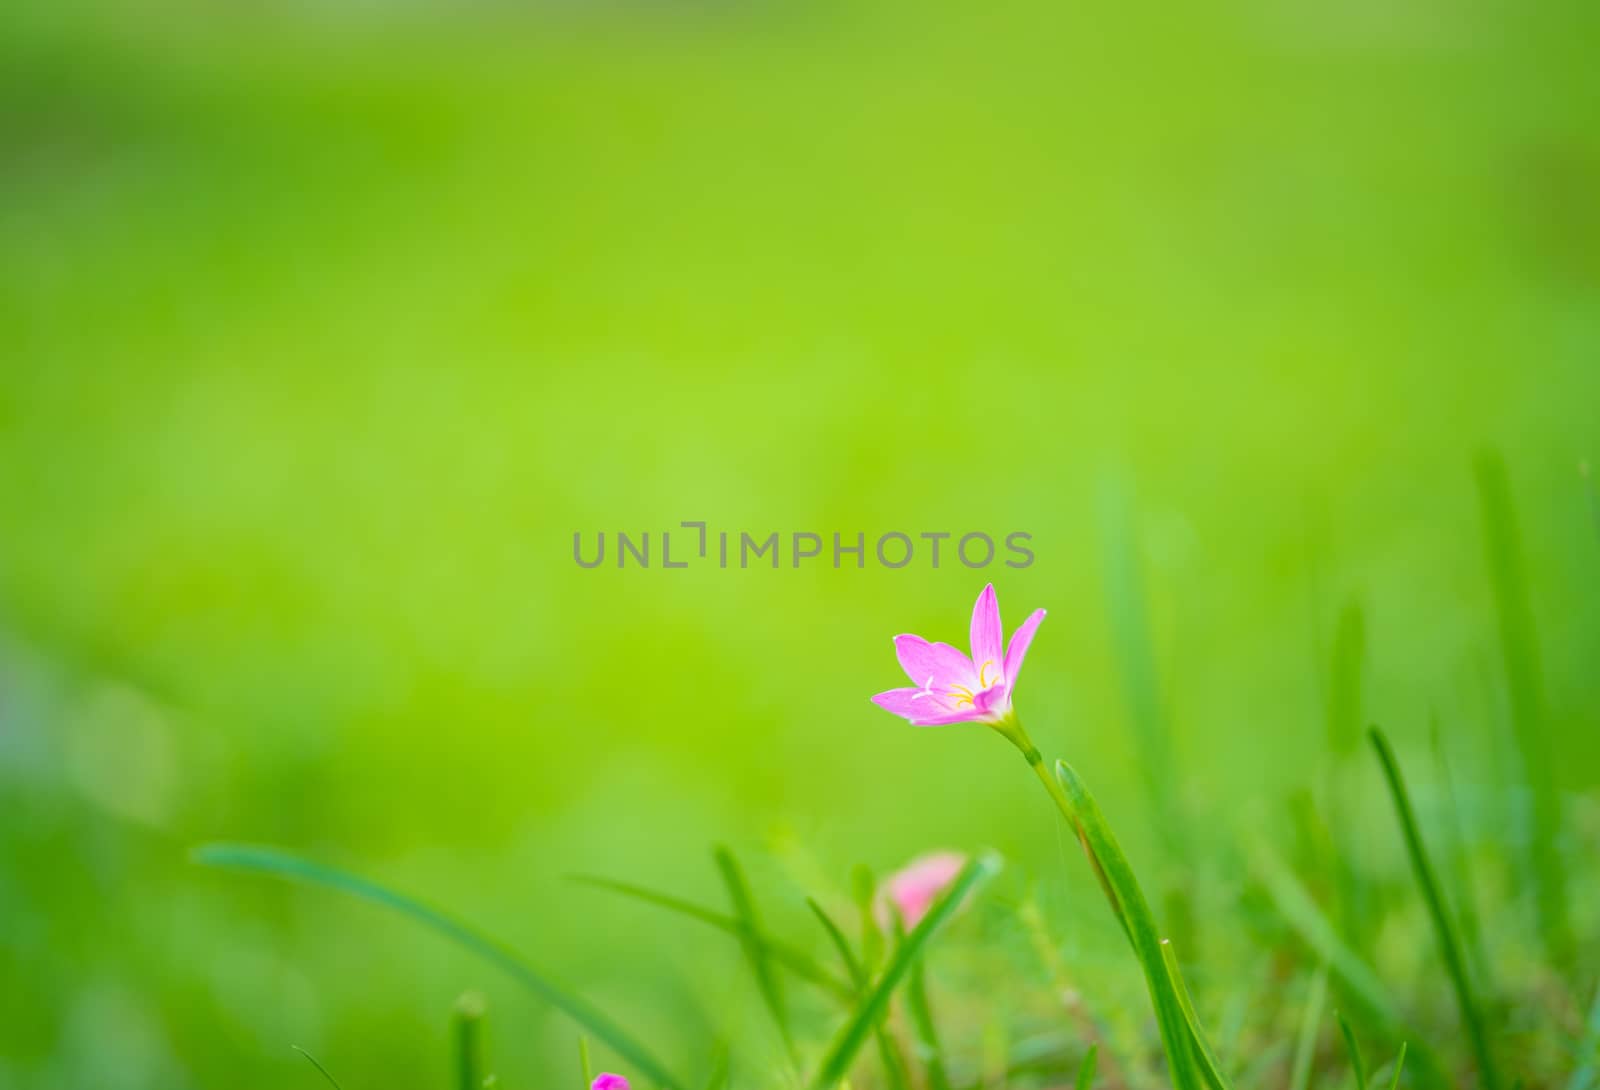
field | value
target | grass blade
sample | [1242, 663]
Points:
[1085, 1078]
[292, 868]
[585, 1064]
[1205, 1056]
[875, 1003]
[894, 1068]
[469, 1042]
[1305, 1048]
[1140, 926]
[1519, 649]
[1357, 1065]
[797, 962]
[923, 1025]
[1449, 948]
[755, 950]
[314, 1063]
[1399, 1066]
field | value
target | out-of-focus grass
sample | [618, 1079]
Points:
[322, 329]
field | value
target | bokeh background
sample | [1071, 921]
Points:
[323, 327]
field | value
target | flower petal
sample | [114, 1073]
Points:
[1018, 648]
[988, 640]
[965, 715]
[904, 702]
[607, 1081]
[935, 664]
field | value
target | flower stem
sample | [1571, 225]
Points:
[1012, 730]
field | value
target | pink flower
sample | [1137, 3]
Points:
[912, 889]
[607, 1081]
[952, 688]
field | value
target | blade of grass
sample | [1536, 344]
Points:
[1519, 649]
[926, 1030]
[870, 1011]
[585, 1063]
[1357, 1065]
[1399, 1066]
[796, 961]
[468, 1027]
[1456, 862]
[1085, 1078]
[1449, 948]
[1205, 1056]
[292, 868]
[755, 950]
[314, 1063]
[1128, 900]
[1305, 1048]
[894, 1068]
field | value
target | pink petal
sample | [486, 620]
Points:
[937, 664]
[904, 702]
[945, 719]
[1018, 649]
[913, 889]
[993, 702]
[607, 1081]
[988, 640]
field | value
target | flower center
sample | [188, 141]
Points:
[960, 695]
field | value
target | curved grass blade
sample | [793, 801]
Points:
[292, 868]
[1399, 1066]
[874, 1004]
[1085, 1078]
[1357, 1065]
[331, 1080]
[894, 1068]
[1305, 1048]
[1140, 927]
[1210, 1066]
[755, 950]
[1449, 948]
[797, 962]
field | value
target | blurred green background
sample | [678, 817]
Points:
[323, 327]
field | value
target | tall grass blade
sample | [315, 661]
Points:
[1140, 926]
[894, 1068]
[755, 950]
[796, 961]
[927, 1031]
[1399, 1066]
[469, 1042]
[873, 1005]
[292, 868]
[1204, 1055]
[1358, 1066]
[1305, 1048]
[1519, 649]
[333, 1082]
[1085, 1078]
[585, 1064]
[1449, 948]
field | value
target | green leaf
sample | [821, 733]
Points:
[755, 949]
[1399, 1066]
[1140, 926]
[292, 868]
[1449, 948]
[926, 1030]
[796, 961]
[874, 1004]
[1357, 1066]
[1085, 1078]
[1210, 1066]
